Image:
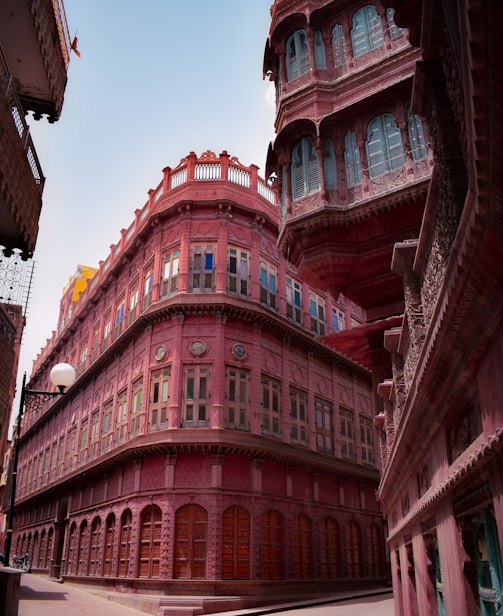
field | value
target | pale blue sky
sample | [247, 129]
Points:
[155, 80]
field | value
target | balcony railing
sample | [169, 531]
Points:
[23, 130]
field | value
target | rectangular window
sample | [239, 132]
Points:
[238, 273]
[71, 445]
[324, 425]
[94, 448]
[170, 273]
[367, 448]
[147, 288]
[120, 313]
[271, 406]
[96, 342]
[298, 416]
[133, 303]
[268, 285]
[107, 331]
[122, 418]
[317, 314]
[337, 319]
[238, 404]
[159, 399]
[347, 434]
[84, 430]
[107, 427]
[83, 357]
[294, 300]
[202, 271]
[136, 403]
[196, 396]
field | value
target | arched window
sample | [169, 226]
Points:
[416, 136]
[302, 547]
[329, 544]
[374, 551]
[109, 545]
[94, 553]
[353, 550]
[235, 544]
[81, 552]
[384, 145]
[72, 550]
[320, 60]
[305, 168]
[273, 545]
[150, 542]
[394, 31]
[125, 543]
[338, 45]
[48, 553]
[191, 529]
[297, 55]
[329, 166]
[42, 554]
[352, 161]
[367, 32]
[283, 191]
[279, 79]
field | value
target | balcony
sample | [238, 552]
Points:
[21, 177]
[36, 45]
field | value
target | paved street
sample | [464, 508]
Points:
[40, 596]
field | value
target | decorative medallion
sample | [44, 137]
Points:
[239, 351]
[160, 352]
[198, 348]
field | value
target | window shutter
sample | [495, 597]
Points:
[338, 45]
[375, 148]
[292, 66]
[329, 166]
[352, 161]
[359, 35]
[319, 51]
[313, 168]
[374, 25]
[394, 142]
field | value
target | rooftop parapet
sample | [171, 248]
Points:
[234, 180]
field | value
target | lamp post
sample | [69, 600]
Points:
[62, 376]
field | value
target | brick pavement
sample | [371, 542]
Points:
[40, 596]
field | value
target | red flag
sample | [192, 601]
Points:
[74, 46]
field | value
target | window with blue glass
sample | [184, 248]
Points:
[329, 166]
[294, 300]
[317, 314]
[202, 271]
[338, 45]
[384, 145]
[367, 32]
[297, 55]
[268, 285]
[305, 168]
[320, 60]
[416, 136]
[352, 161]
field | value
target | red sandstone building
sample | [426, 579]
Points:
[211, 444]
[363, 119]
[387, 167]
[34, 56]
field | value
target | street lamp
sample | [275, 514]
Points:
[62, 376]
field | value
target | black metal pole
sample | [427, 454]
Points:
[15, 440]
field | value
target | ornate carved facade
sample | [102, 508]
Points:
[211, 444]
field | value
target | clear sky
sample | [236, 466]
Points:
[155, 80]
